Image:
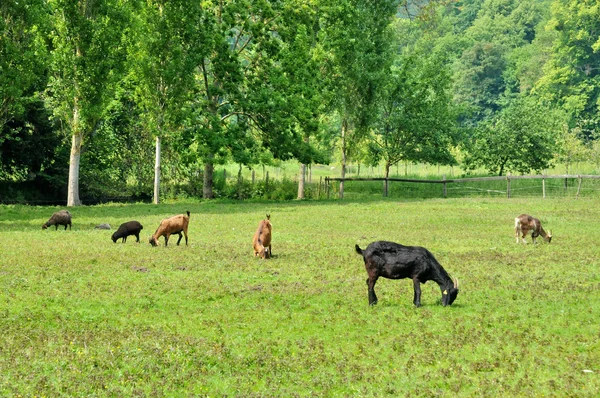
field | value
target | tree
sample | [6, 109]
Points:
[520, 138]
[86, 59]
[249, 96]
[355, 36]
[570, 148]
[23, 57]
[572, 75]
[171, 39]
[416, 120]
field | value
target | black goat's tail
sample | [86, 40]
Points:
[188, 212]
[358, 249]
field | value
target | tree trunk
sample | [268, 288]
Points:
[386, 183]
[239, 182]
[157, 172]
[301, 181]
[73, 188]
[209, 169]
[344, 128]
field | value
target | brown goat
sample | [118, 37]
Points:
[262, 239]
[169, 226]
[525, 223]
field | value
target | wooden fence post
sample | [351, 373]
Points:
[319, 187]
[508, 185]
[253, 176]
[578, 186]
[444, 178]
[543, 187]
[266, 182]
[327, 186]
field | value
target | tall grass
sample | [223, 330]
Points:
[82, 316]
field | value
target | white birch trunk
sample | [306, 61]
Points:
[157, 172]
[344, 127]
[73, 187]
[301, 181]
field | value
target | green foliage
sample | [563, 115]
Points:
[86, 59]
[33, 144]
[356, 37]
[82, 316]
[23, 58]
[572, 75]
[115, 162]
[416, 116]
[252, 82]
[520, 139]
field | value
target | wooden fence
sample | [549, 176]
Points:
[444, 182]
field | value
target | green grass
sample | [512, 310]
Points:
[81, 316]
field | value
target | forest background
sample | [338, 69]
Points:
[143, 99]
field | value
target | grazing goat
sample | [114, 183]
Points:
[525, 223]
[62, 217]
[126, 229]
[262, 239]
[170, 226]
[394, 261]
[102, 226]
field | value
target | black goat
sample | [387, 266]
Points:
[126, 229]
[394, 261]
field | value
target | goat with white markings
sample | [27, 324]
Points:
[395, 261]
[525, 223]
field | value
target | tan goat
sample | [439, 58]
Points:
[173, 225]
[262, 239]
[525, 223]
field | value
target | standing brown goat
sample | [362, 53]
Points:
[525, 223]
[169, 226]
[262, 239]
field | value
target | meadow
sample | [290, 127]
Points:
[83, 316]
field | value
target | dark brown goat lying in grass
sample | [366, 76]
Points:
[394, 261]
[170, 226]
[126, 229]
[62, 217]
[262, 239]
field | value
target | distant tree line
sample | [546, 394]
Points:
[106, 97]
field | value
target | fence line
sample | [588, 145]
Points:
[445, 182]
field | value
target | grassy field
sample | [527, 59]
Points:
[81, 316]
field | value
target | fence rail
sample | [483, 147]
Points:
[445, 182]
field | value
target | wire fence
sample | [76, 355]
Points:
[565, 185]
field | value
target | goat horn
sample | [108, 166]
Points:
[456, 283]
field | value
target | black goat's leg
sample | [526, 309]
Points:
[372, 297]
[417, 286]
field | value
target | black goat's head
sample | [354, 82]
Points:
[449, 294]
